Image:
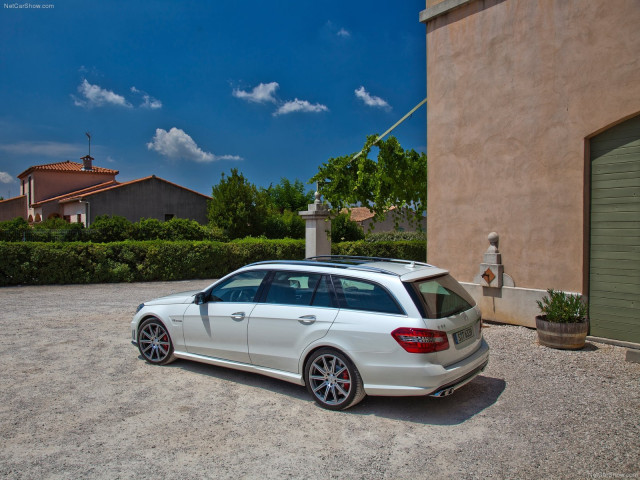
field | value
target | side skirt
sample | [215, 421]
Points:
[245, 367]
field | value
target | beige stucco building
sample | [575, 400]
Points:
[534, 133]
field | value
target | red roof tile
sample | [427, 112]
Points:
[67, 166]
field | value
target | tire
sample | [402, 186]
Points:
[154, 342]
[333, 380]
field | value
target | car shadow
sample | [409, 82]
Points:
[465, 403]
[254, 380]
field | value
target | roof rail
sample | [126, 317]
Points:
[354, 259]
[314, 263]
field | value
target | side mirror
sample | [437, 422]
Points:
[201, 298]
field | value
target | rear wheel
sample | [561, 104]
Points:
[333, 380]
[154, 342]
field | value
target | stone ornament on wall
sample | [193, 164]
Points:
[491, 273]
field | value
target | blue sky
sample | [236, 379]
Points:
[187, 90]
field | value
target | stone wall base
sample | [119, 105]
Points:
[512, 305]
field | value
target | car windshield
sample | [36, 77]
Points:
[442, 296]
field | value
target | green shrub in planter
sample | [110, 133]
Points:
[563, 323]
[560, 307]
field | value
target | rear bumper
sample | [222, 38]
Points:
[437, 380]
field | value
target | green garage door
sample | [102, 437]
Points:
[614, 293]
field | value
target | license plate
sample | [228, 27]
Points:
[463, 335]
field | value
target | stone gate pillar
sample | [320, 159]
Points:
[317, 229]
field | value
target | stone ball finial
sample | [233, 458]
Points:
[317, 195]
[494, 238]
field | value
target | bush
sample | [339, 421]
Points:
[107, 228]
[343, 229]
[13, 230]
[286, 225]
[406, 250]
[34, 263]
[561, 307]
[396, 236]
[183, 229]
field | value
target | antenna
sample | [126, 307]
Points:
[88, 134]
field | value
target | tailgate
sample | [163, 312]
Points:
[464, 333]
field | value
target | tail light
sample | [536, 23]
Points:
[421, 340]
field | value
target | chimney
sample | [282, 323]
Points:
[86, 163]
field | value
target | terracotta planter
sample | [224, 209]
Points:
[566, 336]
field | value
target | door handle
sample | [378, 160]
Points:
[307, 319]
[238, 316]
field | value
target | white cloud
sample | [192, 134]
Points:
[148, 100]
[371, 100]
[47, 149]
[95, 96]
[176, 143]
[5, 178]
[300, 106]
[263, 93]
[343, 33]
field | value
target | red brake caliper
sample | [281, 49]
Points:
[345, 376]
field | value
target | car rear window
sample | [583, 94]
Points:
[363, 295]
[442, 296]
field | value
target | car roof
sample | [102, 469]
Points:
[407, 270]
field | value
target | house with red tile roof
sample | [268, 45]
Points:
[79, 192]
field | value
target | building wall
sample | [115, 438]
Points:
[151, 198]
[48, 184]
[516, 88]
[13, 207]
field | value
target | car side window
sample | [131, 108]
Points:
[323, 296]
[363, 295]
[242, 287]
[293, 288]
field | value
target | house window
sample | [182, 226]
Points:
[168, 216]
[79, 218]
[29, 192]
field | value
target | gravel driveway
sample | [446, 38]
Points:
[77, 401]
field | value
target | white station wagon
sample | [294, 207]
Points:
[344, 327]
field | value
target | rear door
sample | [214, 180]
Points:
[298, 308]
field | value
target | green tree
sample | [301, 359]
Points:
[398, 178]
[290, 196]
[286, 225]
[343, 229]
[237, 206]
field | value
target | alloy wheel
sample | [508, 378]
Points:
[330, 379]
[154, 342]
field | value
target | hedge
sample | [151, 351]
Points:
[35, 263]
[407, 250]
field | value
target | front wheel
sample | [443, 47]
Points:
[333, 380]
[154, 342]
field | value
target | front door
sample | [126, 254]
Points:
[218, 328]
